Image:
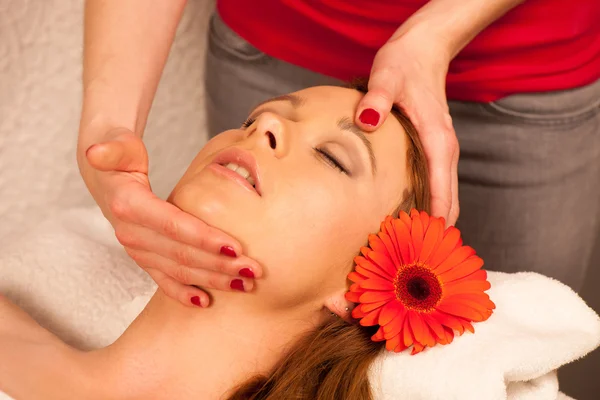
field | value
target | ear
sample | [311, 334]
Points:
[338, 305]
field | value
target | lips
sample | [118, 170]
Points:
[243, 159]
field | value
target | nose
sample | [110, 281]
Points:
[270, 133]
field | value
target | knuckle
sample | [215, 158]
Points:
[183, 256]
[125, 237]
[213, 282]
[170, 228]
[119, 207]
[182, 274]
[221, 265]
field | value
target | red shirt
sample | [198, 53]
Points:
[540, 45]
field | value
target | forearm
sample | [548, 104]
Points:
[126, 45]
[454, 23]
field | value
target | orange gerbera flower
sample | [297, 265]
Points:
[418, 283]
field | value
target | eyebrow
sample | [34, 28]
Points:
[344, 123]
[294, 99]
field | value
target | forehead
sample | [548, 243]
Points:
[389, 142]
[331, 103]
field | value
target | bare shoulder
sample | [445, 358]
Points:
[29, 353]
[16, 322]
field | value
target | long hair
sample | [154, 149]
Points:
[332, 361]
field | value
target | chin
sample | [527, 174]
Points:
[219, 204]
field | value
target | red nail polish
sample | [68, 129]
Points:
[246, 273]
[237, 284]
[228, 251]
[196, 301]
[369, 117]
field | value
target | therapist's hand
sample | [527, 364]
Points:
[410, 71]
[177, 249]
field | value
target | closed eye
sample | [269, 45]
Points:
[331, 160]
[248, 122]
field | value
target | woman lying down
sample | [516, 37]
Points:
[318, 188]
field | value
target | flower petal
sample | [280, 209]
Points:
[392, 251]
[378, 336]
[482, 299]
[404, 240]
[353, 297]
[433, 237]
[459, 255]
[466, 286]
[391, 343]
[356, 277]
[417, 348]
[449, 334]
[377, 284]
[460, 310]
[374, 297]
[463, 269]
[369, 269]
[447, 320]
[396, 325]
[404, 217]
[368, 307]
[467, 325]
[420, 330]
[400, 347]
[448, 244]
[389, 312]
[371, 318]
[408, 337]
[376, 244]
[384, 262]
[416, 232]
[425, 220]
[365, 251]
[436, 327]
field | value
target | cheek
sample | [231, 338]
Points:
[310, 239]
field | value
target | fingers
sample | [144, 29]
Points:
[375, 106]
[441, 149]
[455, 207]
[124, 152]
[168, 220]
[187, 295]
[138, 238]
[186, 276]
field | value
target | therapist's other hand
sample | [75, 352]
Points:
[178, 250]
[410, 71]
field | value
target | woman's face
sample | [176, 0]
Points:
[322, 186]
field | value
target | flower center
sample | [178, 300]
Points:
[418, 288]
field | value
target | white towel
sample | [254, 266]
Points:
[72, 275]
[539, 325]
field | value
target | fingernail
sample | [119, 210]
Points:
[246, 273]
[369, 117]
[196, 301]
[228, 251]
[237, 284]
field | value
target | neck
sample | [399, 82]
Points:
[173, 351]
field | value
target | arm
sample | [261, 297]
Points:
[33, 362]
[410, 71]
[126, 45]
[125, 48]
[452, 24]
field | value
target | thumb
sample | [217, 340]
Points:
[375, 106]
[123, 152]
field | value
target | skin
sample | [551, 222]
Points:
[305, 229]
[123, 62]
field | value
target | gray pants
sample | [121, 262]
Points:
[529, 169]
